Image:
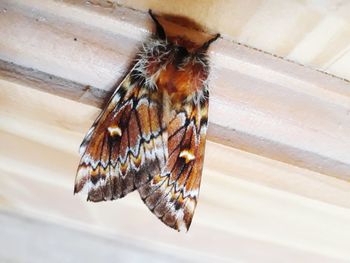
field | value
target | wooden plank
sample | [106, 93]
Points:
[20, 233]
[259, 103]
[52, 84]
[278, 142]
[60, 124]
[311, 33]
[263, 208]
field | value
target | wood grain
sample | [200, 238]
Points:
[275, 183]
[259, 103]
[248, 202]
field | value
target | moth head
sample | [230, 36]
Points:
[182, 68]
[182, 41]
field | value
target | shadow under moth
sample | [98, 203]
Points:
[151, 135]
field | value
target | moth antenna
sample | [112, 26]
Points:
[160, 30]
[207, 44]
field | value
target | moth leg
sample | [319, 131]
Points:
[160, 30]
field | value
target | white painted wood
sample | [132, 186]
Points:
[250, 207]
[313, 33]
[275, 184]
[25, 239]
[259, 103]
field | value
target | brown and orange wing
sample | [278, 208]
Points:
[125, 147]
[172, 196]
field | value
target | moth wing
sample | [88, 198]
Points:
[125, 147]
[172, 195]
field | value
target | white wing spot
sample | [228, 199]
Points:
[187, 155]
[114, 131]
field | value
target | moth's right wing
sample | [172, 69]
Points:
[125, 147]
[172, 195]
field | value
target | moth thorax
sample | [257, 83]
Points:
[182, 82]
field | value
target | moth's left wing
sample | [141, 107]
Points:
[172, 195]
[126, 145]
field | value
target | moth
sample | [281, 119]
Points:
[151, 135]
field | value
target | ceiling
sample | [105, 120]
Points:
[315, 33]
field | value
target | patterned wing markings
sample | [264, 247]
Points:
[125, 146]
[151, 135]
[172, 196]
